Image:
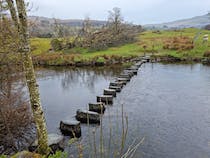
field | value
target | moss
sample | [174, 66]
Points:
[59, 154]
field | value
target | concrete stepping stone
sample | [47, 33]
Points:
[116, 83]
[116, 88]
[97, 107]
[134, 71]
[146, 59]
[107, 99]
[132, 68]
[139, 64]
[85, 116]
[110, 92]
[123, 80]
[70, 128]
[129, 72]
[127, 76]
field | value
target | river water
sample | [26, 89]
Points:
[166, 105]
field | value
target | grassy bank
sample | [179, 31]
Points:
[175, 44]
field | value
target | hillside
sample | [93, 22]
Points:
[194, 22]
[44, 25]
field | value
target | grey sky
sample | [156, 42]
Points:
[136, 11]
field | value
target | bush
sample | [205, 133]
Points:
[100, 60]
[56, 44]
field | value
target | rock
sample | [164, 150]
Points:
[26, 154]
[110, 92]
[55, 142]
[99, 63]
[118, 84]
[70, 128]
[117, 88]
[97, 107]
[206, 61]
[85, 116]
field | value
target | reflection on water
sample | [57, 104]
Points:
[169, 105]
[64, 90]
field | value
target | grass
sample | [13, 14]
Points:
[155, 41]
[40, 45]
[148, 41]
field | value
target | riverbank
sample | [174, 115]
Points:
[168, 46]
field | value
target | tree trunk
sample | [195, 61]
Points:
[38, 114]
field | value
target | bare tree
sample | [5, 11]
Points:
[115, 19]
[19, 17]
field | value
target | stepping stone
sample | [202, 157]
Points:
[118, 84]
[124, 80]
[117, 88]
[132, 68]
[97, 107]
[55, 142]
[85, 116]
[70, 128]
[146, 59]
[125, 76]
[138, 64]
[129, 72]
[110, 92]
[107, 99]
[134, 71]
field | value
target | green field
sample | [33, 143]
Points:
[148, 41]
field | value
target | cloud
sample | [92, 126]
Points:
[138, 11]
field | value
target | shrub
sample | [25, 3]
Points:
[100, 60]
[56, 44]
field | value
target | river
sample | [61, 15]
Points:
[166, 104]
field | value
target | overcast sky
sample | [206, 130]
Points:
[136, 11]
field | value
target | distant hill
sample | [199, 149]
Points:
[68, 22]
[44, 26]
[195, 22]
